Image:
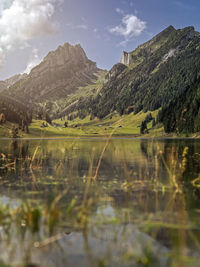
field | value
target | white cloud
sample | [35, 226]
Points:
[131, 26]
[119, 10]
[33, 61]
[24, 20]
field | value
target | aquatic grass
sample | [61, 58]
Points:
[196, 182]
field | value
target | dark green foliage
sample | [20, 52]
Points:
[14, 132]
[182, 115]
[148, 118]
[153, 122]
[71, 117]
[48, 119]
[14, 111]
[129, 110]
[143, 127]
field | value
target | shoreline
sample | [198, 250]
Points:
[125, 137]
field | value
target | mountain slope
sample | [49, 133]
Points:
[10, 81]
[155, 73]
[59, 74]
[15, 111]
[182, 115]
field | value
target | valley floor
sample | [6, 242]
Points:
[112, 125]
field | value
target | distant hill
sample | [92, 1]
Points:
[10, 81]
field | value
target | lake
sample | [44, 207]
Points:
[98, 202]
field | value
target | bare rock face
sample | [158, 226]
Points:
[59, 74]
[125, 58]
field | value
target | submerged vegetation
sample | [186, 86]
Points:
[99, 202]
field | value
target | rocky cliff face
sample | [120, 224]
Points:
[126, 58]
[59, 74]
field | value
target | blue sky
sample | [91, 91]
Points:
[29, 29]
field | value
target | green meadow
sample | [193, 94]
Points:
[126, 125]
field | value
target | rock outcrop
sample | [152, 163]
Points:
[125, 58]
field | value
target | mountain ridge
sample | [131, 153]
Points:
[155, 77]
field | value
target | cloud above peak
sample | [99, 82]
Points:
[24, 20]
[34, 60]
[131, 26]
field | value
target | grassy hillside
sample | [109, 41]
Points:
[70, 104]
[126, 125]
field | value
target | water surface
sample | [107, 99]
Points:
[93, 202]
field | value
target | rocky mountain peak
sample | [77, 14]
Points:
[61, 72]
[62, 56]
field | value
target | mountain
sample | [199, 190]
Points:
[10, 81]
[163, 73]
[58, 75]
[154, 74]
[64, 77]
